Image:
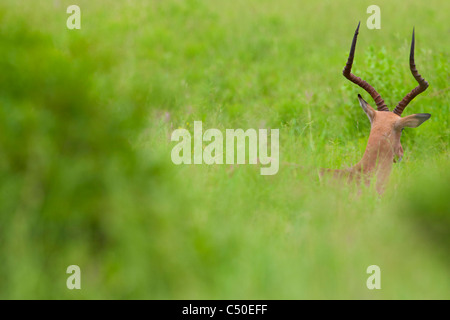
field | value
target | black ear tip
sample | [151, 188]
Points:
[425, 116]
[359, 96]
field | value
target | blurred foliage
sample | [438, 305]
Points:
[425, 203]
[86, 177]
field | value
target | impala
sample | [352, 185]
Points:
[384, 144]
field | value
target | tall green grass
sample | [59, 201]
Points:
[86, 176]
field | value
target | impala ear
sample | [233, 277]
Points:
[412, 121]
[367, 108]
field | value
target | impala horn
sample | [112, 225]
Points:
[423, 85]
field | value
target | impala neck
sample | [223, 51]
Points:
[378, 157]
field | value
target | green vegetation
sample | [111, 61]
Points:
[86, 176]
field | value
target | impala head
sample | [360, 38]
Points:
[387, 126]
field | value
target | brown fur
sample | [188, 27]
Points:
[382, 148]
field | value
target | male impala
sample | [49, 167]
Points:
[386, 127]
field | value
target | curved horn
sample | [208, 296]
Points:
[381, 106]
[423, 85]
